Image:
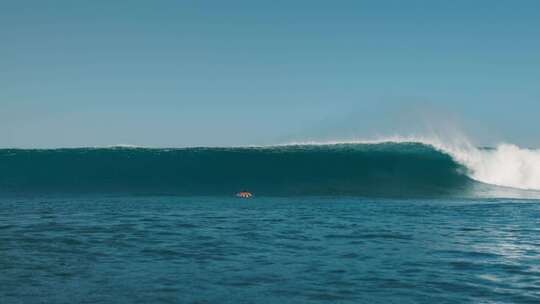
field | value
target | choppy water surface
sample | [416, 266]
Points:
[279, 250]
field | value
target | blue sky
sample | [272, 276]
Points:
[185, 73]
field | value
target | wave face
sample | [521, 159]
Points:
[388, 169]
[385, 169]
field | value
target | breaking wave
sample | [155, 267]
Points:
[390, 167]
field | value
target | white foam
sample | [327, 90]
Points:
[506, 165]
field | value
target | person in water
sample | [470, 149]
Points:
[244, 194]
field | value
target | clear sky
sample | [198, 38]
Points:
[184, 73]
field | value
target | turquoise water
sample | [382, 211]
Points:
[99, 249]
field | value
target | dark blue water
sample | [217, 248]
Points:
[269, 250]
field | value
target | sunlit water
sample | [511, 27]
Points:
[269, 250]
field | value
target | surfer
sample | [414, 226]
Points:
[244, 194]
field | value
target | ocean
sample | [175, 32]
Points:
[406, 222]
